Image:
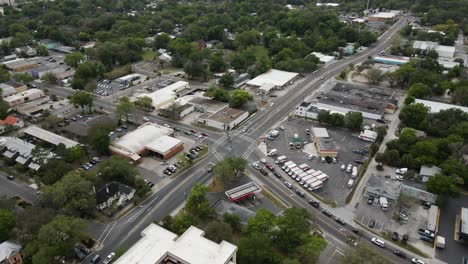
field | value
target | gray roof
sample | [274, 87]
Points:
[380, 186]
[320, 132]
[429, 171]
[222, 206]
[49, 137]
[7, 249]
[82, 128]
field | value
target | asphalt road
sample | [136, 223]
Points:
[16, 188]
[126, 231]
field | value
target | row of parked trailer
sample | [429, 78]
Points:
[308, 178]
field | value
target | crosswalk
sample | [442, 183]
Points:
[246, 138]
[249, 151]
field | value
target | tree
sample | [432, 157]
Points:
[362, 254]
[75, 153]
[353, 120]
[413, 115]
[183, 221]
[82, 99]
[217, 94]
[217, 62]
[42, 50]
[460, 95]
[233, 220]
[419, 90]
[366, 38]
[374, 76]
[161, 41]
[442, 185]
[218, 231]
[227, 80]
[124, 108]
[409, 100]
[144, 103]
[240, 97]
[23, 78]
[7, 222]
[117, 169]
[49, 78]
[54, 171]
[30, 220]
[257, 248]
[381, 133]
[293, 228]
[98, 138]
[263, 222]
[74, 59]
[228, 168]
[309, 252]
[3, 109]
[197, 204]
[4, 75]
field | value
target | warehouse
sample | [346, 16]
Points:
[21, 64]
[276, 77]
[49, 137]
[325, 146]
[442, 50]
[147, 139]
[166, 95]
[324, 59]
[435, 107]
[21, 98]
[384, 17]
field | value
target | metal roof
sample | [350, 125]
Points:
[49, 137]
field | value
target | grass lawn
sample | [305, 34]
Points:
[148, 55]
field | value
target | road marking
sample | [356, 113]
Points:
[249, 151]
[103, 232]
[108, 233]
[216, 154]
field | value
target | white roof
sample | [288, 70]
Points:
[385, 14]
[191, 247]
[7, 90]
[165, 95]
[435, 107]
[49, 137]
[322, 57]
[267, 87]
[448, 64]
[129, 77]
[320, 132]
[442, 50]
[8, 248]
[27, 93]
[327, 4]
[464, 220]
[163, 144]
[276, 77]
[136, 140]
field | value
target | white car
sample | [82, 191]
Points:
[310, 157]
[399, 178]
[417, 261]
[343, 167]
[262, 160]
[378, 242]
[109, 258]
[146, 119]
[272, 104]
[401, 171]
[255, 165]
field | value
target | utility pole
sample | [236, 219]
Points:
[226, 130]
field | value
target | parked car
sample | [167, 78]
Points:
[343, 167]
[311, 157]
[300, 192]
[269, 166]
[277, 175]
[340, 221]
[395, 236]
[370, 200]
[371, 223]
[314, 203]
[288, 184]
[193, 131]
[426, 205]
[109, 258]
[358, 161]
[417, 261]
[188, 133]
[263, 172]
[399, 254]
[11, 177]
[204, 134]
[256, 165]
[378, 242]
[327, 213]
[146, 119]
[262, 160]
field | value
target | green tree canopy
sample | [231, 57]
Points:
[218, 231]
[353, 120]
[98, 137]
[82, 99]
[74, 59]
[442, 185]
[228, 168]
[240, 97]
[7, 222]
[419, 90]
[197, 203]
[124, 108]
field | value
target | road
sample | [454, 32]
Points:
[126, 231]
[16, 188]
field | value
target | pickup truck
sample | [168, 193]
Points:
[426, 233]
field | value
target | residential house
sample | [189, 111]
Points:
[10, 253]
[428, 171]
[113, 192]
[10, 122]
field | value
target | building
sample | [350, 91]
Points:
[159, 245]
[23, 97]
[7, 90]
[426, 172]
[10, 122]
[43, 70]
[165, 57]
[266, 88]
[81, 128]
[49, 137]
[178, 109]
[324, 59]
[19, 87]
[343, 98]
[221, 207]
[206, 105]
[325, 146]
[225, 119]
[8, 2]
[113, 192]
[133, 78]
[463, 224]
[20, 151]
[368, 135]
[301, 110]
[20, 64]
[393, 60]
[276, 77]
[384, 17]
[242, 192]
[147, 139]
[435, 107]
[378, 186]
[442, 50]
[26, 50]
[10, 252]
[241, 80]
[166, 95]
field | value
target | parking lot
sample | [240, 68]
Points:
[335, 189]
[108, 87]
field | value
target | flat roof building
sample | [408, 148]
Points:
[442, 50]
[225, 119]
[343, 97]
[435, 107]
[391, 16]
[6, 90]
[394, 60]
[428, 171]
[49, 137]
[20, 64]
[159, 245]
[378, 186]
[326, 146]
[148, 138]
[166, 95]
[23, 97]
[20, 151]
[276, 77]
[244, 191]
[324, 59]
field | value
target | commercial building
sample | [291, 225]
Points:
[206, 105]
[10, 122]
[159, 245]
[242, 192]
[276, 77]
[6, 90]
[428, 171]
[113, 193]
[343, 98]
[378, 186]
[393, 60]
[20, 64]
[178, 109]
[20, 151]
[384, 17]
[49, 137]
[166, 95]
[10, 252]
[43, 70]
[463, 224]
[225, 119]
[325, 145]
[442, 50]
[19, 87]
[435, 107]
[23, 97]
[324, 59]
[147, 139]
[368, 135]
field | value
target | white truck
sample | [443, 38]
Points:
[296, 171]
[286, 164]
[383, 203]
[305, 179]
[350, 183]
[401, 171]
[272, 152]
[304, 167]
[280, 159]
[309, 182]
[301, 176]
[315, 185]
[290, 167]
[323, 177]
[440, 242]
[354, 172]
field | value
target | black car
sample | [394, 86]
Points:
[380, 121]
[262, 171]
[151, 184]
[79, 254]
[371, 223]
[314, 203]
[358, 161]
[188, 133]
[300, 193]
[404, 238]
[277, 175]
[210, 169]
[395, 236]
[399, 254]
[427, 239]
[176, 129]
[340, 221]
[327, 213]
[426, 205]
[370, 200]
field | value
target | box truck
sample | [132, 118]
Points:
[383, 203]
[315, 185]
[304, 167]
[354, 172]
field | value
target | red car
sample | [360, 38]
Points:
[193, 131]
[204, 134]
[269, 166]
